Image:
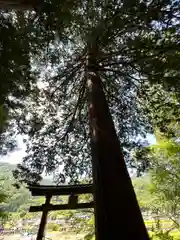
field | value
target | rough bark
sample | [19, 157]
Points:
[117, 213]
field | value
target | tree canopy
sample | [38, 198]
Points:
[134, 47]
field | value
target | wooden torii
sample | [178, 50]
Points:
[73, 191]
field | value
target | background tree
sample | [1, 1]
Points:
[21, 41]
[165, 177]
[162, 109]
[163, 186]
[3, 198]
[17, 77]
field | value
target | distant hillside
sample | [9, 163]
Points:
[7, 168]
[16, 198]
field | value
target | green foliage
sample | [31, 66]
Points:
[164, 236]
[3, 214]
[130, 48]
[53, 227]
[161, 191]
[142, 187]
[163, 110]
[165, 177]
[15, 197]
[16, 76]
[3, 199]
[91, 230]
[15, 202]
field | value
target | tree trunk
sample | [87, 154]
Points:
[117, 213]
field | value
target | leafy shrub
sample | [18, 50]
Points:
[53, 227]
[159, 233]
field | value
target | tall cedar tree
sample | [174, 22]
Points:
[100, 49]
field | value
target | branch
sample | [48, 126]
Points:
[121, 74]
[69, 73]
[108, 93]
[175, 222]
[18, 123]
[70, 69]
[81, 93]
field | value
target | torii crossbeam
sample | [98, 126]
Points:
[48, 191]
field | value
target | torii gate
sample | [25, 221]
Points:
[73, 191]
